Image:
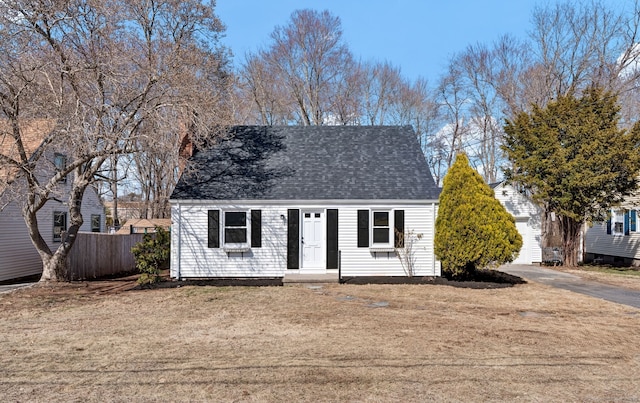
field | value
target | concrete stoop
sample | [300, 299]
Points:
[296, 279]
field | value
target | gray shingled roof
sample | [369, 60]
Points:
[310, 163]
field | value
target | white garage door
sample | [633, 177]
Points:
[527, 243]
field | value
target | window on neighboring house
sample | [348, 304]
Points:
[59, 225]
[235, 227]
[622, 222]
[381, 228]
[95, 222]
[60, 161]
[618, 222]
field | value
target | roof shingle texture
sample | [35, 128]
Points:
[310, 163]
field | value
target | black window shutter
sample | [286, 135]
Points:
[398, 226]
[256, 228]
[609, 226]
[293, 239]
[213, 228]
[363, 228]
[332, 239]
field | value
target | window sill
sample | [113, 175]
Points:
[236, 249]
[382, 249]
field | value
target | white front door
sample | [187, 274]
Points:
[313, 239]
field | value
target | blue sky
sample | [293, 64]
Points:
[419, 36]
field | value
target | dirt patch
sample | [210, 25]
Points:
[111, 341]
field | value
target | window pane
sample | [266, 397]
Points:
[381, 235]
[95, 223]
[235, 235]
[60, 161]
[58, 219]
[235, 219]
[381, 218]
[59, 225]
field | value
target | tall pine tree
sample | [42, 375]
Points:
[574, 160]
[473, 230]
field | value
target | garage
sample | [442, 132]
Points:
[527, 215]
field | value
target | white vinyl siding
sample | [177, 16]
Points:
[598, 242]
[191, 258]
[363, 262]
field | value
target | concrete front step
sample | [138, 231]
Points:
[296, 278]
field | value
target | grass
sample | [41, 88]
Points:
[619, 276]
[102, 341]
[626, 271]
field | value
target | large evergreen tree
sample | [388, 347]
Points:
[473, 230]
[574, 160]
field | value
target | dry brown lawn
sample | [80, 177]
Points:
[101, 342]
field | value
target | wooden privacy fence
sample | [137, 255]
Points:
[96, 255]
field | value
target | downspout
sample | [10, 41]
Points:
[179, 240]
[433, 237]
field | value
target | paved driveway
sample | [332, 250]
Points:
[574, 283]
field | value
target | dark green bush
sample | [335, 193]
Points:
[151, 254]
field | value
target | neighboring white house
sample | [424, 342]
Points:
[267, 201]
[18, 256]
[617, 240]
[528, 217]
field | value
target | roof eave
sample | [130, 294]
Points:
[289, 202]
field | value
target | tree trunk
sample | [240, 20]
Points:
[54, 268]
[54, 265]
[570, 240]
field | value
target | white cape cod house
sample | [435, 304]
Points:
[267, 201]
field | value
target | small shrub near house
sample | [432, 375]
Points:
[151, 254]
[473, 230]
[406, 250]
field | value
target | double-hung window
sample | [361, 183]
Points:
[60, 162]
[235, 231]
[235, 228]
[622, 222]
[95, 223]
[59, 225]
[618, 222]
[381, 228]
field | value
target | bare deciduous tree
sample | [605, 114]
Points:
[303, 68]
[96, 72]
